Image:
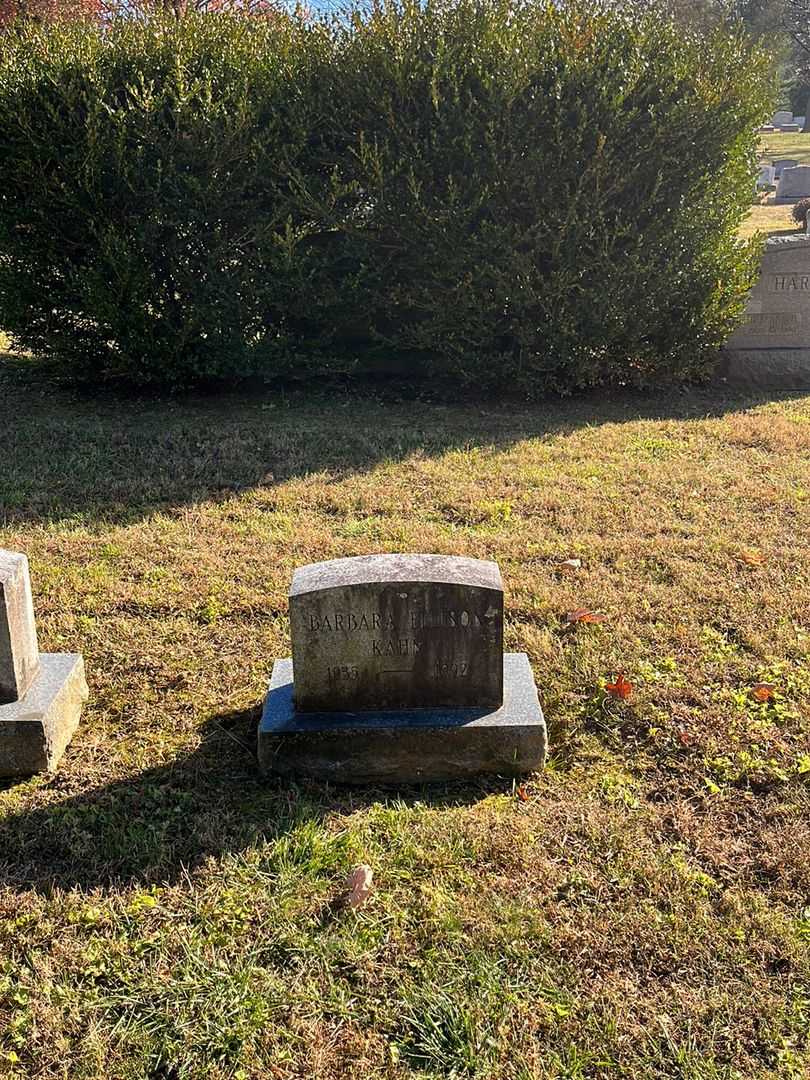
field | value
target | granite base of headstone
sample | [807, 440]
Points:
[41, 694]
[770, 350]
[398, 676]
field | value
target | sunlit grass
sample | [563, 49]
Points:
[640, 910]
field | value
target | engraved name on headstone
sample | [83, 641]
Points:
[771, 347]
[398, 675]
[397, 632]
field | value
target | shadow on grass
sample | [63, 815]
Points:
[68, 456]
[166, 821]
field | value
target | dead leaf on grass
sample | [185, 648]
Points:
[622, 688]
[752, 557]
[763, 691]
[584, 615]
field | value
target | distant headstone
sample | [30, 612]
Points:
[771, 349]
[41, 694]
[400, 675]
[790, 129]
[800, 121]
[781, 164]
[781, 118]
[766, 177]
[794, 184]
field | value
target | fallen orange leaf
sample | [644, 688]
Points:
[522, 793]
[763, 691]
[584, 615]
[622, 688]
[752, 558]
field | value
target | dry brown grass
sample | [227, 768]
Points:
[643, 914]
[768, 219]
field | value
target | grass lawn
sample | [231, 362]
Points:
[787, 145]
[769, 219]
[642, 909]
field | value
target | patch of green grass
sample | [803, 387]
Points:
[785, 145]
[639, 910]
[768, 219]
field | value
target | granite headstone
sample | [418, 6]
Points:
[41, 694]
[766, 177]
[794, 184]
[400, 675]
[780, 164]
[771, 348]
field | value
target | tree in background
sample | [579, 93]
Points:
[796, 21]
[48, 10]
[53, 10]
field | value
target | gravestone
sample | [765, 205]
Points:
[800, 121]
[792, 128]
[766, 177]
[781, 118]
[771, 348]
[398, 675]
[41, 694]
[794, 184]
[780, 164]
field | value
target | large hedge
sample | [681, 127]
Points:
[503, 194]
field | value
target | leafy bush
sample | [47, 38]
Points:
[521, 195]
[145, 215]
[800, 211]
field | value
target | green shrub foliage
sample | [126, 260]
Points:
[800, 212]
[498, 194]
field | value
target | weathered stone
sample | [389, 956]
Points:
[794, 184]
[782, 117]
[408, 746]
[41, 694]
[766, 177]
[780, 164]
[19, 655]
[771, 349]
[35, 730]
[397, 632]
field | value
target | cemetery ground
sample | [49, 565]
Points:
[769, 218]
[641, 909]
